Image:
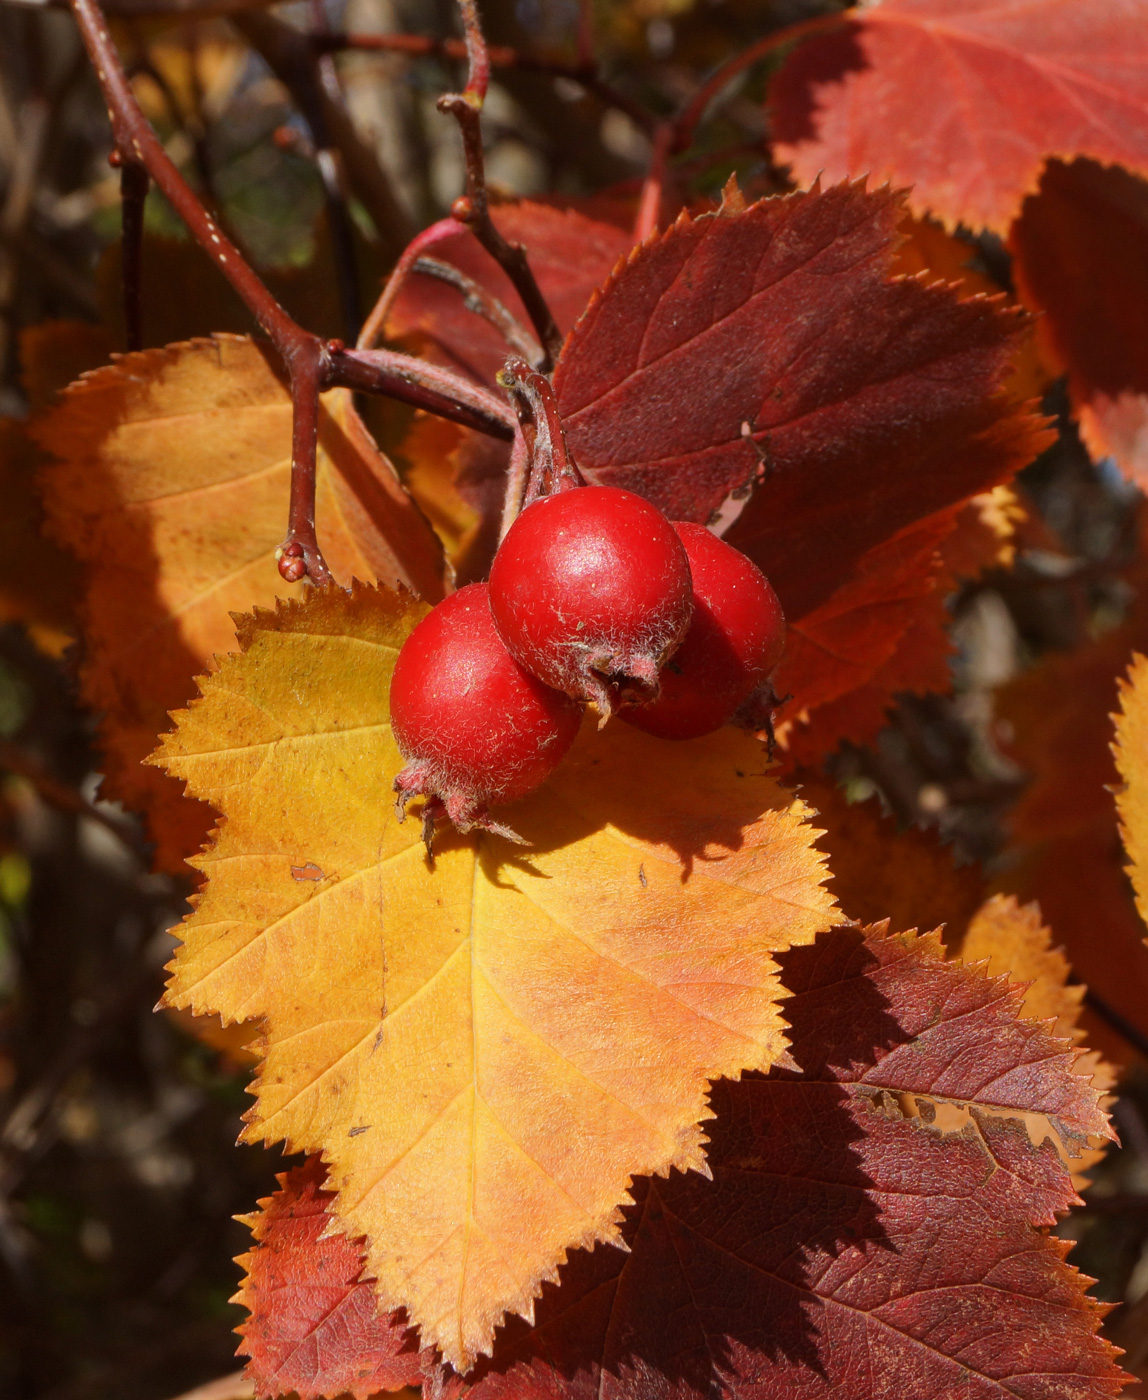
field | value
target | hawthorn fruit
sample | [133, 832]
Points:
[476, 729]
[735, 639]
[591, 592]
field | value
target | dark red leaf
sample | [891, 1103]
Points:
[570, 256]
[965, 99]
[872, 403]
[846, 1246]
[1081, 257]
[314, 1328]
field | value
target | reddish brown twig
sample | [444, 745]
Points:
[423, 385]
[472, 208]
[421, 46]
[550, 467]
[376, 322]
[134, 185]
[482, 303]
[695, 109]
[312, 364]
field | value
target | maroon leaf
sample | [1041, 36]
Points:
[570, 256]
[314, 1328]
[870, 402]
[1081, 256]
[846, 1246]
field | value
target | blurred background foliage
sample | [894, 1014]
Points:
[119, 1176]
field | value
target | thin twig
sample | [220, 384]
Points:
[291, 56]
[551, 467]
[312, 364]
[517, 475]
[482, 303]
[331, 173]
[422, 46]
[376, 323]
[695, 109]
[472, 209]
[423, 385]
[134, 185]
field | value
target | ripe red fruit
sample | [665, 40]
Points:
[475, 728]
[735, 640]
[590, 591]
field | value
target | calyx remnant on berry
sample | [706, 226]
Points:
[475, 728]
[720, 672]
[590, 590]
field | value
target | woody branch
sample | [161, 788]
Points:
[312, 363]
[473, 208]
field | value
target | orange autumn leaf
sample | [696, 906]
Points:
[964, 100]
[170, 485]
[1131, 753]
[486, 1047]
[1065, 843]
[1013, 941]
[873, 865]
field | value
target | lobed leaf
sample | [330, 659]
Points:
[486, 1047]
[1080, 250]
[767, 356]
[846, 1244]
[313, 1327]
[171, 486]
[1011, 940]
[965, 101]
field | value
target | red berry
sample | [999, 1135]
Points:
[475, 728]
[735, 640]
[590, 591]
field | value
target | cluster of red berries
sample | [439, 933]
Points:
[594, 596]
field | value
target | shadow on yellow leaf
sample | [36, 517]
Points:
[1131, 753]
[171, 485]
[485, 1048]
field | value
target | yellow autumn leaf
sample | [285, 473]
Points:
[170, 484]
[1131, 752]
[486, 1047]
